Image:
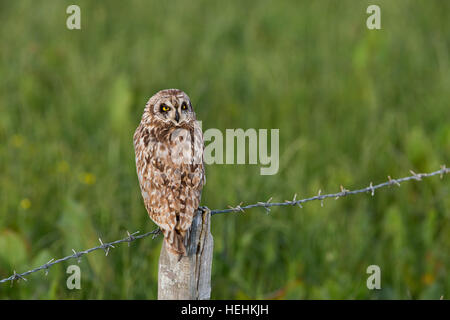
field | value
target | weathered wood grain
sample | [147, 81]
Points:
[190, 277]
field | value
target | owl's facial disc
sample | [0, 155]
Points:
[175, 111]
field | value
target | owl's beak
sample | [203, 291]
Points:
[177, 115]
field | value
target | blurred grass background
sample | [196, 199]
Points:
[352, 106]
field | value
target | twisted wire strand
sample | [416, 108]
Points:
[239, 208]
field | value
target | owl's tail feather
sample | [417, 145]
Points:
[175, 242]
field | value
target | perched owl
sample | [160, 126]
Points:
[168, 145]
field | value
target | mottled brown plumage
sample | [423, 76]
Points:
[168, 146]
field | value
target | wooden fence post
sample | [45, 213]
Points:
[189, 278]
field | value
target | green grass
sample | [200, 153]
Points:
[352, 106]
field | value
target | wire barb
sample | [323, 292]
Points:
[264, 205]
[321, 198]
[371, 189]
[47, 266]
[131, 237]
[418, 177]
[105, 246]
[237, 208]
[77, 255]
[444, 170]
[16, 277]
[392, 181]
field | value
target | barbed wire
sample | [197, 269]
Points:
[239, 208]
[344, 192]
[77, 255]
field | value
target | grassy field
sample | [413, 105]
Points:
[353, 105]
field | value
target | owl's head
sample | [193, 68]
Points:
[171, 106]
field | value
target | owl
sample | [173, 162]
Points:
[168, 146]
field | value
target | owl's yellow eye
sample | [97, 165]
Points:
[164, 108]
[184, 106]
